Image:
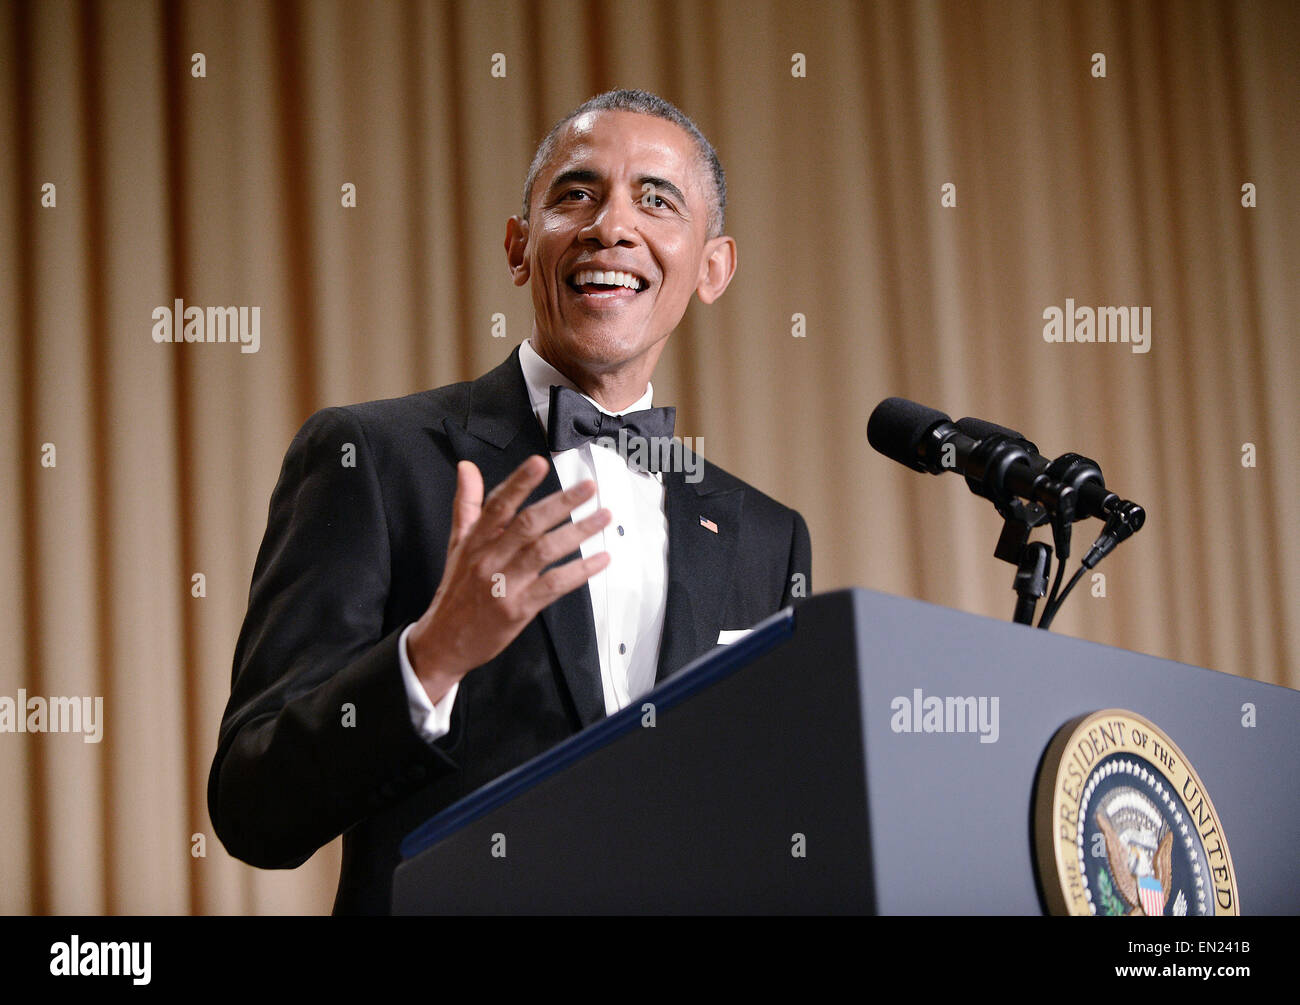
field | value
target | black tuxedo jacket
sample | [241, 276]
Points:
[317, 739]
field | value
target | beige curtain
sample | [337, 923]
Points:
[226, 189]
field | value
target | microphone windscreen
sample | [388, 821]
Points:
[897, 427]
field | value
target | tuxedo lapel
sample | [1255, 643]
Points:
[700, 559]
[501, 432]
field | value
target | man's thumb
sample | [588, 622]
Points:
[468, 504]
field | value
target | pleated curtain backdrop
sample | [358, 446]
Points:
[912, 186]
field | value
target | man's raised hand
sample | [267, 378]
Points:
[496, 580]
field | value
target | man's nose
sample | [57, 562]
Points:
[614, 222]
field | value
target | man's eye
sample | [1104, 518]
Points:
[574, 194]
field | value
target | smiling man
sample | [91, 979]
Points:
[498, 569]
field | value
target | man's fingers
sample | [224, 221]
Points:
[504, 501]
[534, 521]
[468, 504]
[531, 559]
[566, 578]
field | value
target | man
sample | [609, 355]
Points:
[408, 638]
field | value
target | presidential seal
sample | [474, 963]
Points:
[1123, 825]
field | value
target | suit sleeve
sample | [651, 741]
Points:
[798, 577]
[317, 733]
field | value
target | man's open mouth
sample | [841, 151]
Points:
[595, 283]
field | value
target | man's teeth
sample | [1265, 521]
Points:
[607, 279]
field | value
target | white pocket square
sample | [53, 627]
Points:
[732, 635]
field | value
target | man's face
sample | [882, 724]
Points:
[623, 193]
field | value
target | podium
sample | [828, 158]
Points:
[782, 774]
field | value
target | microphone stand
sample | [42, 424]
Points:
[1056, 497]
[985, 477]
[1031, 580]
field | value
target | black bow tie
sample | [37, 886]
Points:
[641, 437]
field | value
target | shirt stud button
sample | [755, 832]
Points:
[620, 530]
[621, 648]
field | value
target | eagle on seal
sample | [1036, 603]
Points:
[1141, 865]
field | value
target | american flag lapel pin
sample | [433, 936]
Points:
[708, 525]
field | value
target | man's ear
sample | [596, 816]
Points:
[717, 269]
[516, 243]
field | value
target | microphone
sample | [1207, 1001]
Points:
[900, 429]
[996, 467]
[978, 429]
[1003, 466]
[1081, 473]
[998, 462]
